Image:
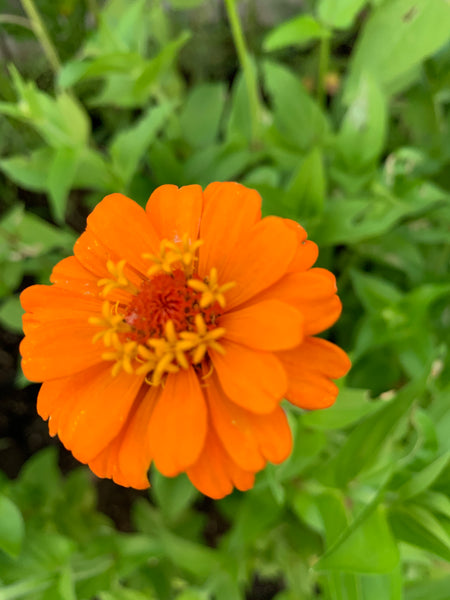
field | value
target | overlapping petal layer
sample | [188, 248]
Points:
[194, 383]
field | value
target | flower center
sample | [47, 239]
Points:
[168, 322]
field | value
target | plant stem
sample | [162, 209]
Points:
[324, 58]
[246, 66]
[41, 34]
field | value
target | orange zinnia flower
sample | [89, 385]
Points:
[173, 334]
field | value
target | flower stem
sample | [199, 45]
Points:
[16, 20]
[246, 66]
[324, 58]
[41, 34]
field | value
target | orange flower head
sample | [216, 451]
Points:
[173, 333]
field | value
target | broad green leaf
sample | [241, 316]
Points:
[363, 444]
[419, 482]
[389, 585]
[375, 293]
[101, 66]
[397, 37]
[297, 117]
[202, 112]
[129, 146]
[431, 589]
[11, 314]
[29, 171]
[239, 121]
[339, 14]
[298, 31]
[417, 526]
[12, 528]
[62, 170]
[350, 406]
[368, 548]
[362, 135]
[305, 194]
[436, 502]
[173, 495]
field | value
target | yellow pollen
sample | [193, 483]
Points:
[124, 355]
[203, 339]
[118, 280]
[112, 324]
[210, 289]
[171, 253]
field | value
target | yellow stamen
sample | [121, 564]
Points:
[124, 355]
[203, 339]
[210, 289]
[118, 280]
[112, 324]
[171, 253]
[169, 353]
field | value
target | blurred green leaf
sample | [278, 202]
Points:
[297, 117]
[128, 147]
[11, 527]
[305, 194]
[11, 314]
[397, 37]
[436, 589]
[298, 31]
[339, 14]
[420, 482]
[362, 135]
[350, 406]
[201, 114]
[417, 526]
[369, 547]
[173, 495]
[62, 170]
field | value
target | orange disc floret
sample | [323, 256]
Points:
[173, 333]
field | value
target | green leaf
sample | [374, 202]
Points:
[369, 547]
[417, 526]
[350, 406]
[397, 37]
[375, 293]
[12, 529]
[62, 171]
[297, 117]
[29, 171]
[202, 112]
[305, 194]
[173, 495]
[432, 589]
[361, 137]
[298, 31]
[129, 146]
[339, 14]
[239, 121]
[363, 444]
[419, 482]
[11, 314]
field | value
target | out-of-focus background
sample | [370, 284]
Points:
[336, 111]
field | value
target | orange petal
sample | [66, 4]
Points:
[49, 396]
[215, 473]
[70, 274]
[178, 424]
[175, 211]
[49, 303]
[102, 406]
[122, 226]
[310, 369]
[127, 458]
[62, 348]
[307, 251]
[259, 260]
[320, 315]
[230, 210]
[252, 379]
[267, 325]
[234, 428]
[249, 439]
[304, 257]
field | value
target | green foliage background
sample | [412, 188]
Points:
[337, 112]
